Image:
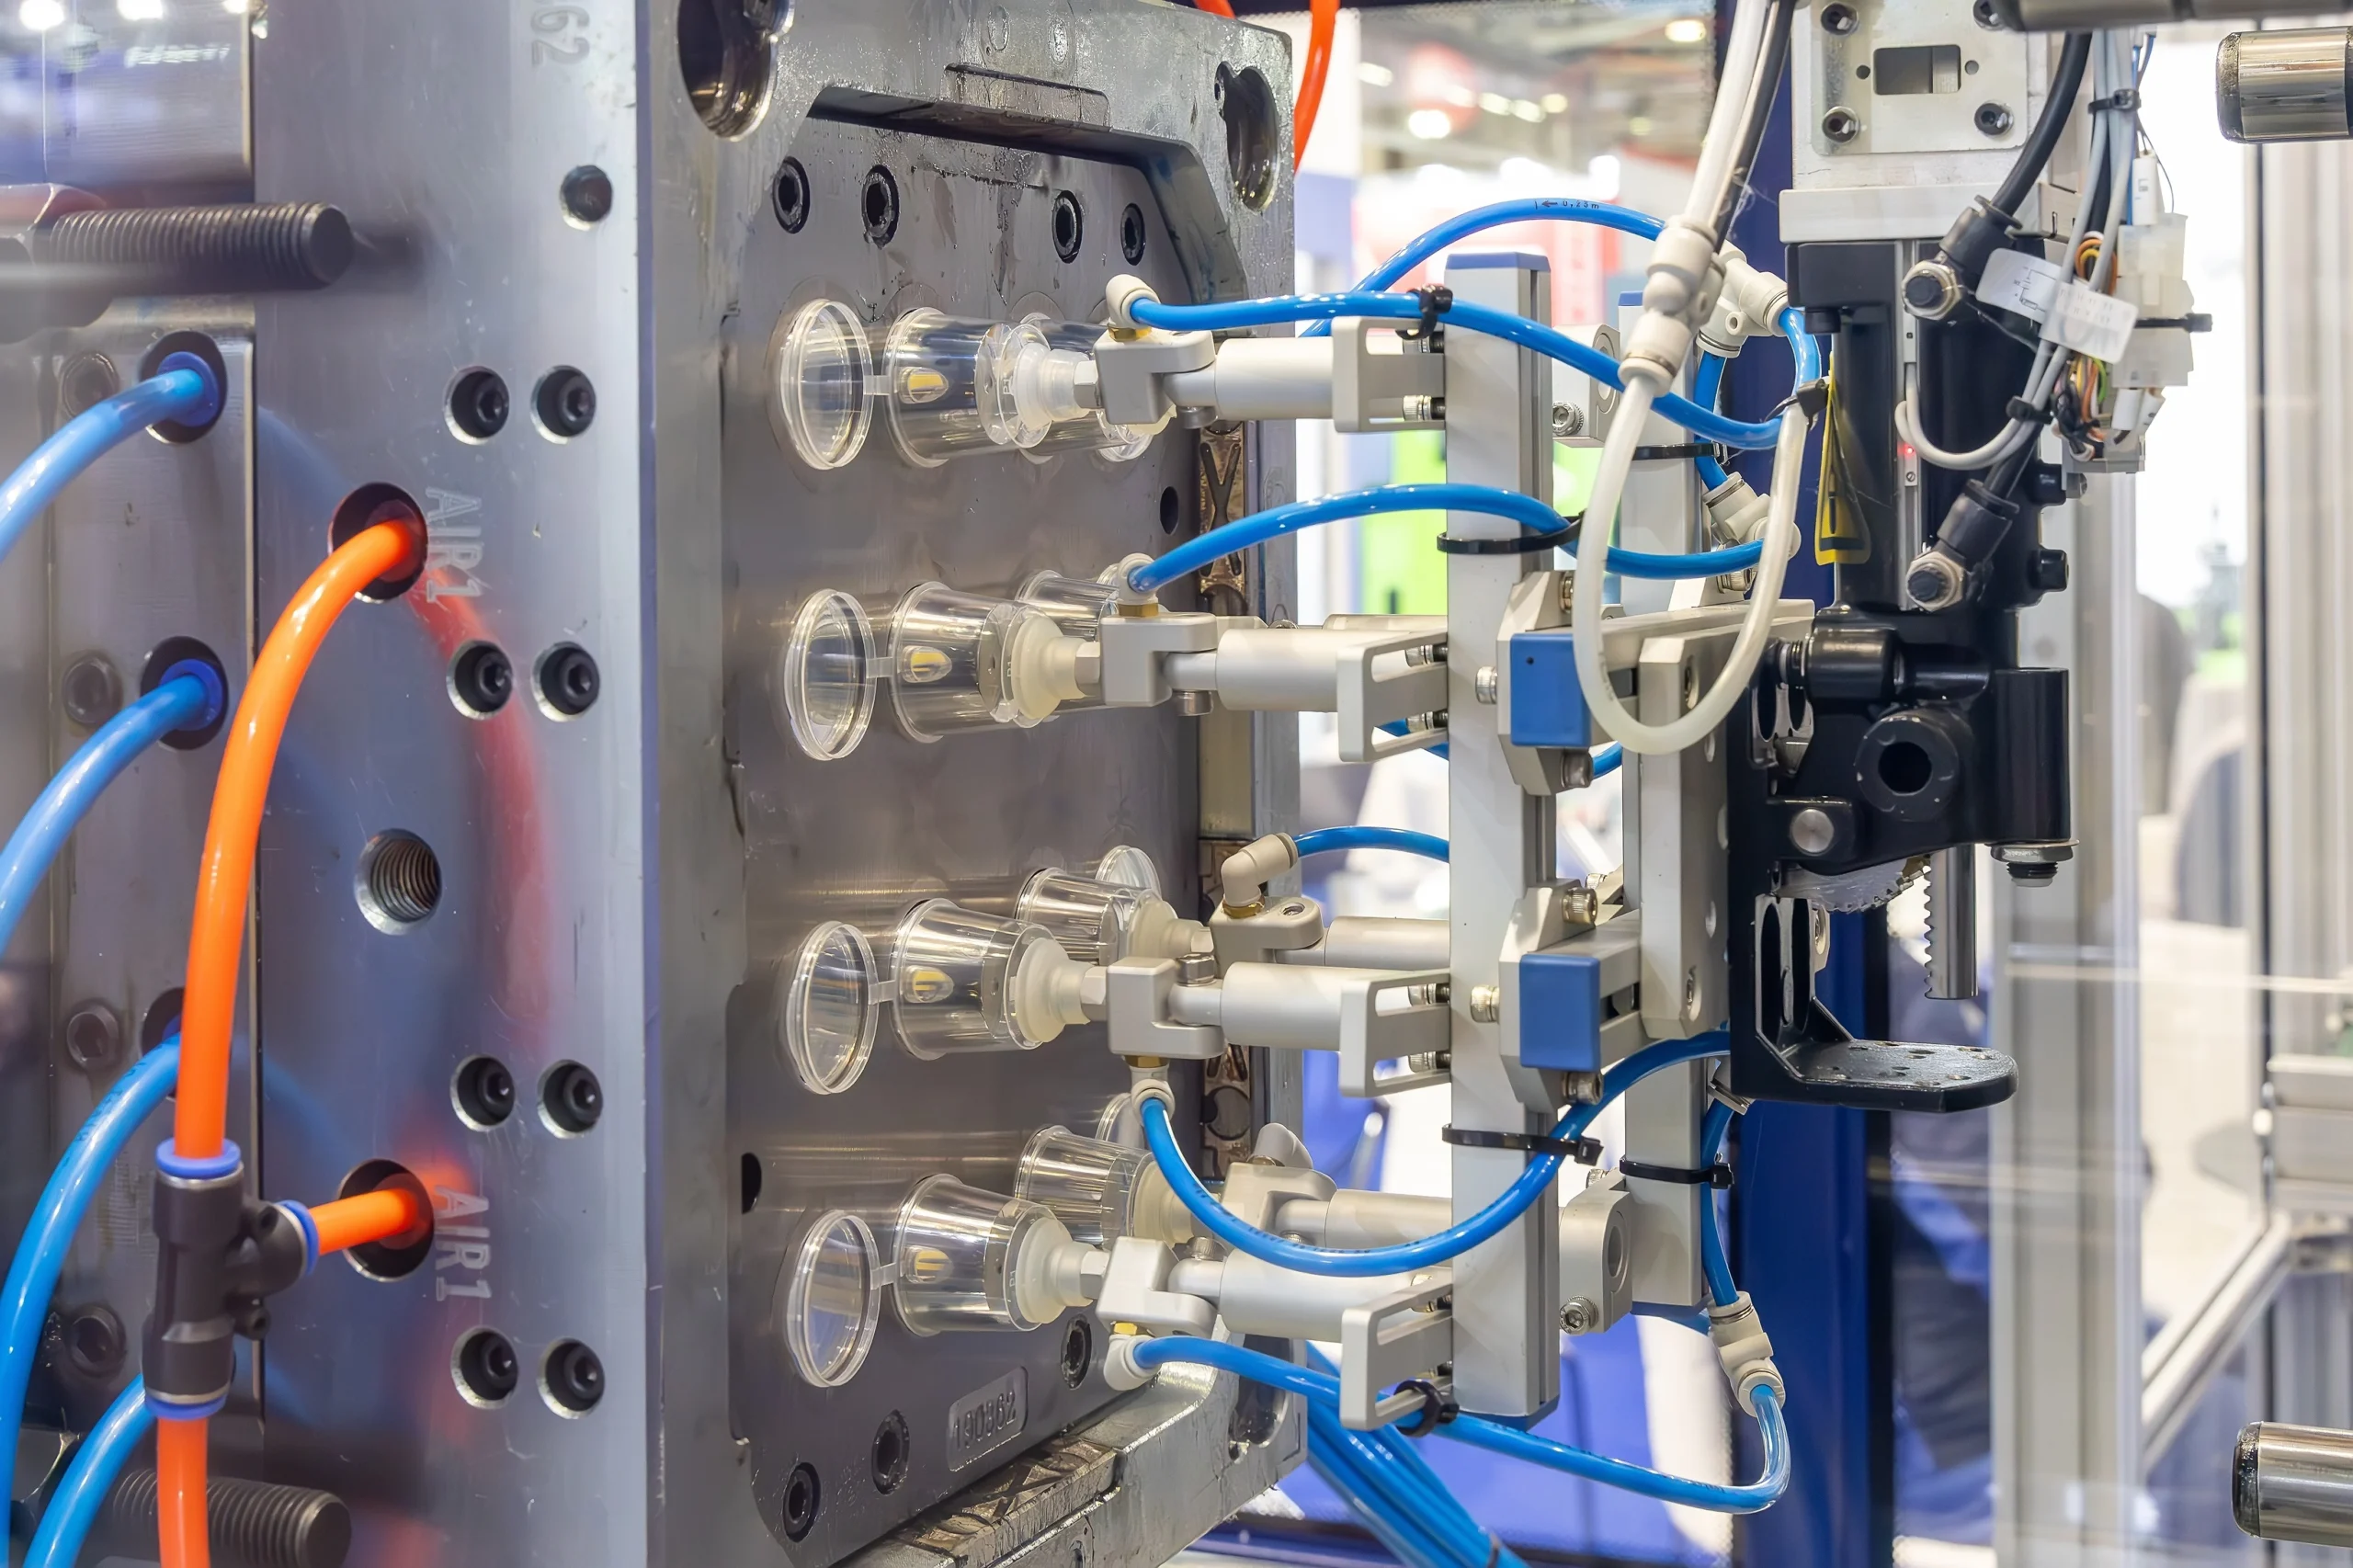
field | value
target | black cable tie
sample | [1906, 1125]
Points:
[1526, 544]
[2021, 409]
[1437, 1410]
[1714, 1175]
[1810, 400]
[1584, 1151]
[2127, 98]
[1437, 300]
[1687, 450]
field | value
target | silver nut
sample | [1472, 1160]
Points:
[1197, 969]
[1935, 580]
[1195, 704]
[1568, 419]
[1811, 831]
[1579, 1315]
[1486, 1004]
[1841, 124]
[1580, 905]
[1485, 684]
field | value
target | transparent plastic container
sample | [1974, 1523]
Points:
[958, 386]
[1095, 922]
[1090, 1186]
[1088, 431]
[825, 387]
[832, 1007]
[1128, 867]
[826, 676]
[1077, 604]
[954, 972]
[954, 661]
[831, 1299]
[960, 1254]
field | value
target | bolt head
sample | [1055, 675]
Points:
[1841, 125]
[1486, 1004]
[1995, 119]
[1812, 832]
[1568, 419]
[1838, 18]
[1579, 1316]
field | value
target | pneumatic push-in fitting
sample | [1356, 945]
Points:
[220, 1256]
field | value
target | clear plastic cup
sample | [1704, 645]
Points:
[958, 1256]
[831, 1303]
[825, 676]
[1088, 1185]
[952, 980]
[824, 383]
[832, 1008]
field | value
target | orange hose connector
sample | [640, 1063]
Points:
[1215, 8]
[389, 1213]
[224, 877]
[1323, 20]
[179, 1493]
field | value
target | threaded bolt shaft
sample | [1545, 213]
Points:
[240, 249]
[254, 1524]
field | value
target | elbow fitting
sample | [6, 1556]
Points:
[1243, 878]
[1119, 1368]
[1121, 296]
[1745, 1351]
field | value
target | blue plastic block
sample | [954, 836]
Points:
[1559, 1012]
[1547, 704]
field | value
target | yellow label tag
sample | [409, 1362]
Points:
[923, 986]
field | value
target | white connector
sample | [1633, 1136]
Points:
[1748, 304]
[1052, 991]
[1736, 514]
[1244, 877]
[1745, 1351]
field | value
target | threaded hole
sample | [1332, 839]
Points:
[399, 882]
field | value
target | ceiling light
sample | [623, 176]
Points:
[1494, 103]
[41, 15]
[1687, 30]
[1373, 75]
[1554, 103]
[139, 10]
[1523, 110]
[1638, 125]
[1459, 96]
[1424, 124]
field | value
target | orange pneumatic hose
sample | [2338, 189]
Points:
[224, 877]
[382, 1215]
[1322, 19]
[216, 942]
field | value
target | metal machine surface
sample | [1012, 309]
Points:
[597, 206]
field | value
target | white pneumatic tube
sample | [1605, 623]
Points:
[1779, 540]
[1644, 380]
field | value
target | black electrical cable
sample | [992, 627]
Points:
[2075, 55]
[1764, 84]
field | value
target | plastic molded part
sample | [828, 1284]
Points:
[952, 985]
[1088, 1184]
[1077, 604]
[831, 1299]
[1093, 920]
[830, 1009]
[958, 1251]
[824, 392]
[949, 654]
[1124, 865]
[826, 674]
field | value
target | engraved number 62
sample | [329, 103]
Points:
[557, 40]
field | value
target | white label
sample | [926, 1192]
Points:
[2019, 283]
[2090, 323]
